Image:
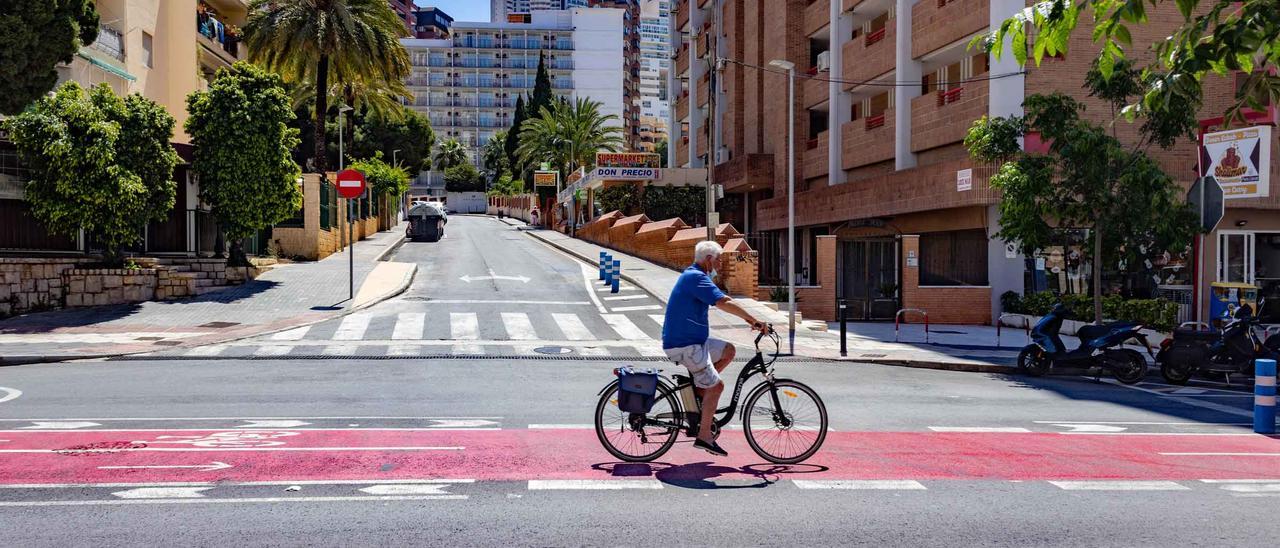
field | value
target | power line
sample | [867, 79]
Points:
[873, 83]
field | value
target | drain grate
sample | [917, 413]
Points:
[167, 343]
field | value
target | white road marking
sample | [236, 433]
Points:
[211, 467]
[982, 429]
[466, 350]
[561, 426]
[340, 350]
[626, 297]
[273, 350]
[624, 327]
[295, 334]
[447, 424]
[226, 483]
[1222, 454]
[207, 449]
[9, 394]
[572, 327]
[658, 319]
[1091, 428]
[464, 326]
[1141, 423]
[59, 425]
[622, 287]
[352, 327]
[1273, 487]
[409, 326]
[274, 423]
[637, 308]
[1189, 401]
[594, 485]
[162, 493]
[205, 351]
[10, 504]
[406, 489]
[89, 338]
[593, 351]
[649, 350]
[476, 301]
[245, 418]
[519, 327]
[1116, 485]
[897, 485]
[403, 350]
[586, 275]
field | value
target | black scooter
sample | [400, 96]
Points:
[1229, 351]
[1096, 351]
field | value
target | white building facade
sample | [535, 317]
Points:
[468, 84]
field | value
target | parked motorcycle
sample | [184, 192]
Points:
[1229, 351]
[1100, 348]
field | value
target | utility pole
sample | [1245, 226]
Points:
[713, 136]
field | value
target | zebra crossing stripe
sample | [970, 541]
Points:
[649, 350]
[206, 351]
[878, 485]
[295, 334]
[404, 350]
[637, 308]
[593, 351]
[273, 350]
[340, 350]
[466, 350]
[409, 326]
[626, 297]
[572, 327]
[623, 327]
[518, 326]
[464, 326]
[352, 327]
[658, 319]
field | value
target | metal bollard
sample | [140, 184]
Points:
[844, 329]
[1264, 396]
[608, 270]
[617, 283]
[616, 275]
[603, 255]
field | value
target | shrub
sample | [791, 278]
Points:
[1157, 314]
[463, 178]
[624, 198]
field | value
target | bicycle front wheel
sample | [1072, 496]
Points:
[635, 437]
[785, 422]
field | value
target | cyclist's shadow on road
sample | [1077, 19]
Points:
[698, 475]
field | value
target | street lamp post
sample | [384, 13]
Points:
[351, 229]
[394, 162]
[791, 199]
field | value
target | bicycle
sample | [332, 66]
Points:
[789, 413]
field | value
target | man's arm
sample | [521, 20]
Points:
[726, 304]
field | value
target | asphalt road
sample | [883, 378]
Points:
[485, 441]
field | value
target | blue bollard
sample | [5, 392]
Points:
[617, 281]
[608, 271]
[1264, 396]
[603, 255]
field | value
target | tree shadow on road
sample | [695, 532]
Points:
[699, 475]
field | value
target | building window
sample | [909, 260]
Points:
[148, 51]
[957, 258]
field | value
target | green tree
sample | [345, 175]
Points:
[1215, 36]
[661, 151]
[1087, 180]
[624, 198]
[328, 41]
[449, 154]
[494, 154]
[665, 202]
[568, 135]
[410, 133]
[463, 178]
[542, 96]
[242, 139]
[35, 36]
[512, 144]
[97, 162]
[506, 186]
[384, 179]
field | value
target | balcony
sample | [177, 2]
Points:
[218, 41]
[867, 140]
[682, 60]
[682, 151]
[816, 156]
[703, 40]
[944, 117]
[846, 5]
[746, 172]
[869, 55]
[815, 90]
[704, 86]
[682, 15]
[110, 42]
[682, 109]
[938, 23]
[817, 15]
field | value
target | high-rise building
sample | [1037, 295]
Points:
[468, 84]
[887, 198]
[405, 9]
[499, 10]
[432, 23]
[655, 63]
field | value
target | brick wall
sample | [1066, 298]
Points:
[622, 233]
[861, 146]
[934, 26]
[864, 63]
[955, 305]
[942, 118]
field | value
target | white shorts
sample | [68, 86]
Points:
[700, 360]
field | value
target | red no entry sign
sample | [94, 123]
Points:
[351, 183]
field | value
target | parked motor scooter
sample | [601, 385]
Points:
[1097, 351]
[1229, 351]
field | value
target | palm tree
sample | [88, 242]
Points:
[494, 153]
[568, 135]
[451, 153]
[325, 41]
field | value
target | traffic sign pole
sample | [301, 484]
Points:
[351, 185]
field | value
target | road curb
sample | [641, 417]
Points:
[589, 261]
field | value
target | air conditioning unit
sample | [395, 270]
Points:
[824, 61]
[723, 155]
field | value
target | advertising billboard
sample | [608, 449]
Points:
[1240, 159]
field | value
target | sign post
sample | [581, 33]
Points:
[351, 185]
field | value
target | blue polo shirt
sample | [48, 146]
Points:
[686, 320]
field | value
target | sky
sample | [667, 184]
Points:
[460, 10]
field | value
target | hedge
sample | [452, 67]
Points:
[1157, 314]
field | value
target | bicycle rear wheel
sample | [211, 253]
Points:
[635, 437]
[788, 431]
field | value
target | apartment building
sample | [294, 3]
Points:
[468, 84]
[655, 62]
[164, 50]
[406, 10]
[891, 213]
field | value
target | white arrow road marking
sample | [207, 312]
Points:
[594, 485]
[211, 467]
[1091, 428]
[9, 394]
[257, 424]
[406, 489]
[982, 429]
[70, 425]
[492, 276]
[162, 493]
[464, 423]
[1105, 485]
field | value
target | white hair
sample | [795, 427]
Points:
[707, 249]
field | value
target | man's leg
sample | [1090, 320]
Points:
[710, 398]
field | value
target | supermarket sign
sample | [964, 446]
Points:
[628, 173]
[1240, 159]
[627, 159]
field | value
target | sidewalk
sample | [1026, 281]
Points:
[960, 348]
[290, 295]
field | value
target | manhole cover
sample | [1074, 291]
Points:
[150, 338]
[552, 350]
[219, 325]
[167, 343]
[874, 355]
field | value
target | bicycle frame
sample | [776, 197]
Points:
[755, 366]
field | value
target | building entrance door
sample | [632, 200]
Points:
[869, 278]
